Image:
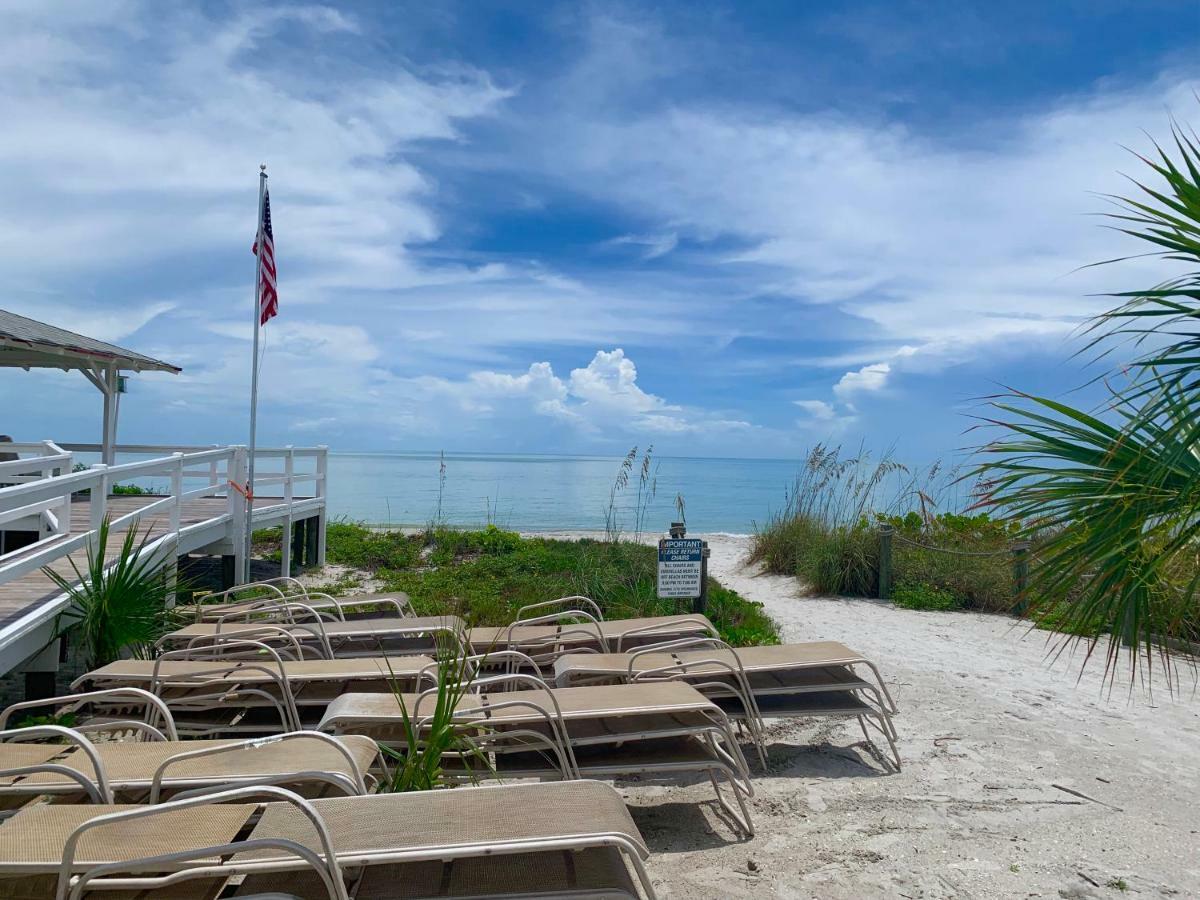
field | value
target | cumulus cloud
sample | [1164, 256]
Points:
[609, 383]
[601, 398]
[869, 378]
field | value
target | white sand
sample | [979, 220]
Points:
[986, 729]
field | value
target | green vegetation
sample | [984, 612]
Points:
[922, 595]
[1106, 500]
[433, 736]
[1112, 494]
[827, 535]
[130, 489]
[488, 575]
[116, 489]
[118, 606]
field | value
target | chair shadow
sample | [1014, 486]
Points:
[685, 827]
[823, 760]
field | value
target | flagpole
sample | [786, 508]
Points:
[258, 243]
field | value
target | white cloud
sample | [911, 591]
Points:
[869, 378]
[937, 242]
[609, 382]
[817, 409]
[653, 245]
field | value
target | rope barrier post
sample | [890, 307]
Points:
[1020, 563]
[885, 561]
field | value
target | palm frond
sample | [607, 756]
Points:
[118, 606]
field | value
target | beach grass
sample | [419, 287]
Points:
[487, 575]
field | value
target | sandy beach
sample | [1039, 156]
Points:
[997, 747]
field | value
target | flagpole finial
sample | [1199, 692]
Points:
[262, 168]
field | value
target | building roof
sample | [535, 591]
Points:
[29, 344]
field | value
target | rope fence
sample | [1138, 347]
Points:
[1009, 581]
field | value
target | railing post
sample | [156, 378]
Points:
[1020, 563]
[885, 561]
[322, 493]
[98, 498]
[176, 491]
[213, 475]
[285, 550]
[237, 511]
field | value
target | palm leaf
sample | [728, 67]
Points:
[117, 606]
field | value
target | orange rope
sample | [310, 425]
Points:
[244, 491]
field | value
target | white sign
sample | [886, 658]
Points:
[679, 567]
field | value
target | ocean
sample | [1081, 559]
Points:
[542, 492]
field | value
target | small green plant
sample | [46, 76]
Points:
[920, 595]
[440, 520]
[612, 522]
[130, 489]
[1118, 884]
[117, 606]
[1014, 868]
[431, 738]
[65, 720]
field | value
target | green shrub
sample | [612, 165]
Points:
[488, 575]
[919, 595]
[968, 557]
[352, 544]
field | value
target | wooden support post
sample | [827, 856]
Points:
[885, 561]
[298, 544]
[287, 539]
[1020, 564]
[311, 527]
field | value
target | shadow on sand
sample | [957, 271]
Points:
[861, 760]
[684, 827]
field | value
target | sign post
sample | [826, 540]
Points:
[683, 570]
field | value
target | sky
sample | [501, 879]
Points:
[724, 229]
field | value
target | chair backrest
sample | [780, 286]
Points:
[520, 690]
[229, 659]
[352, 783]
[155, 722]
[573, 602]
[98, 790]
[670, 628]
[323, 861]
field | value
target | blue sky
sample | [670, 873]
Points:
[726, 229]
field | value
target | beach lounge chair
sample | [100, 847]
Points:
[248, 596]
[150, 770]
[125, 711]
[576, 624]
[657, 729]
[389, 845]
[343, 608]
[319, 635]
[819, 679]
[247, 688]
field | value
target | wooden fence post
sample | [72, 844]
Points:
[885, 561]
[1020, 565]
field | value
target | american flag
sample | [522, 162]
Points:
[268, 299]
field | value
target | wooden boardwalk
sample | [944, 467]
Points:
[25, 594]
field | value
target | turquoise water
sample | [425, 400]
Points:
[549, 493]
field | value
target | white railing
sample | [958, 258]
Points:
[43, 460]
[220, 471]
